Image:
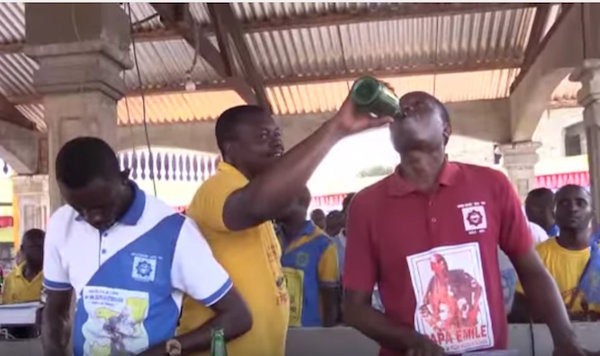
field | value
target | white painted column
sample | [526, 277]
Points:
[33, 202]
[519, 160]
[589, 97]
[81, 57]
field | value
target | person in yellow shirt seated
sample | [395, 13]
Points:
[24, 283]
[311, 268]
[566, 256]
[253, 185]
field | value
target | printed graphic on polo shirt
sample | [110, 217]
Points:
[295, 285]
[452, 307]
[144, 268]
[115, 321]
[474, 218]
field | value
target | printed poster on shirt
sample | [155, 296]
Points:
[452, 307]
[115, 323]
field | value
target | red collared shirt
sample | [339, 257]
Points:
[434, 256]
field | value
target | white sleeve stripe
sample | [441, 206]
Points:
[217, 295]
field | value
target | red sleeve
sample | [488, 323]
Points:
[515, 236]
[360, 264]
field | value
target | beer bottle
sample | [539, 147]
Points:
[217, 343]
[374, 97]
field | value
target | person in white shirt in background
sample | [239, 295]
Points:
[507, 270]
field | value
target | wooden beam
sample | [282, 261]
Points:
[540, 47]
[537, 31]
[222, 39]
[8, 113]
[226, 19]
[177, 16]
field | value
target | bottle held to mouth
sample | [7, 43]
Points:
[374, 97]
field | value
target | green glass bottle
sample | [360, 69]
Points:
[371, 95]
[217, 343]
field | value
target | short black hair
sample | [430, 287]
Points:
[84, 159]
[230, 119]
[573, 187]
[335, 214]
[539, 196]
[34, 234]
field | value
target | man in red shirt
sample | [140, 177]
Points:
[428, 236]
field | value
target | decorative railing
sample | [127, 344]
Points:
[169, 166]
[5, 169]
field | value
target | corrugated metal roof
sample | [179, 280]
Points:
[497, 36]
[35, 113]
[278, 11]
[16, 74]
[451, 87]
[177, 107]
[12, 25]
[325, 50]
[141, 11]
[165, 63]
[313, 98]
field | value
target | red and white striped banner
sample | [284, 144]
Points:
[555, 181]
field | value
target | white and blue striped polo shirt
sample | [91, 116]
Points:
[129, 280]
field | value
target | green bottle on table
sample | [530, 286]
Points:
[374, 97]
[217, 343]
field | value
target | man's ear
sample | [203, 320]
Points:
[228, 146]
[447, 133]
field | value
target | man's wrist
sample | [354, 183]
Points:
[564, 337]
[334, 130]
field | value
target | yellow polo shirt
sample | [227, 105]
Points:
[252, 259]
[17, 289]
[566, 267]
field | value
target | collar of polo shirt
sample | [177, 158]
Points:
[400, 187]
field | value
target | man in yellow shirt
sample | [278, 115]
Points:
[311, 268]
[566, 255]
[24, 283]
[235, 207]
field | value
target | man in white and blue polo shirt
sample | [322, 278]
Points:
[129, 258]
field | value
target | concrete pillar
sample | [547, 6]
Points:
[589, 97]
[81, 55]
[33, 201]
[519, 160]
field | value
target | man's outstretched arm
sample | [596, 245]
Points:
[545, 302]
[267, 194]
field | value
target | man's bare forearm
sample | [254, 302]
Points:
[55, 333]
[267, 194]
[546, 304]
[231, 315]
[56, 323]
[331, 306]
[376, 326]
